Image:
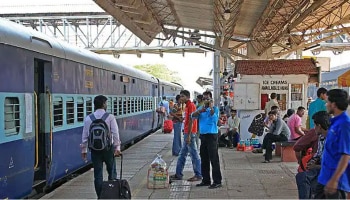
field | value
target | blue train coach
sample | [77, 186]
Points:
[47, 88]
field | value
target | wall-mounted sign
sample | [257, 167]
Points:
[274, 85]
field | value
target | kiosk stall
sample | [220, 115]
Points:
[257, 79]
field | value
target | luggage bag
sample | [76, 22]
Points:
[116, 189]
[168, 126]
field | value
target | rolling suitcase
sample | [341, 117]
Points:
[116, 189]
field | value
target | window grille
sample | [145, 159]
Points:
[80, 109]
[58, 111]
[70, 110]
[88, 106]
[12, 116]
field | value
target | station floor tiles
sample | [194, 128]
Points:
[244, 176]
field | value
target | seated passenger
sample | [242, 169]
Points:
[307, 180]
[278, 132]
[295, 124]
[267, 124]
[232, 134]
[310, 140]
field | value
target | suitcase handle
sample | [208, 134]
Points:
[121, 165]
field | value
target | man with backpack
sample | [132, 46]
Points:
[101, 136]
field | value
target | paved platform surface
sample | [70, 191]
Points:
[244, 176]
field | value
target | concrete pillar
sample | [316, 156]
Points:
[216, 78]
[298, 53]
[254, 55]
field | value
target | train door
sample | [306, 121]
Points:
[42, 69]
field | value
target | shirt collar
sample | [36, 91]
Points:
[188, 102]
[338, 117]
[100, 110]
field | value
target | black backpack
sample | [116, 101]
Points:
[99, 133]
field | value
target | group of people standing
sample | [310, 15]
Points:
[198, 122]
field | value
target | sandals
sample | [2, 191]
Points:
[257, 151]
[266, 161]
[194, 178]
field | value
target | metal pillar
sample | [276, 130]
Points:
[216, 78]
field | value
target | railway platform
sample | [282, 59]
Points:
[244, 176]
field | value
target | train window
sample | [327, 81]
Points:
[124, 90]
[58, 111]
[109, 105]
[133, 80]
[142, 104]
[115, 106]
[125, 104]
[70, 110]
[124, 79]
[145, 103]
[80, 109]
[120, 106]
[113, 77]
[88, 106]
[139, 104]
[129, 105]
[134, 105]
[149, 104]
[12, 116]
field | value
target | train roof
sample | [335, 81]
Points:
[170, 83]
[17, 35]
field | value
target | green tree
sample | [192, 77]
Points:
[160, 71]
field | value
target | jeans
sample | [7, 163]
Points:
[209, 155]
[177, 139]
[307, 182]
[196, 161]
[97, 158]
[267, 143]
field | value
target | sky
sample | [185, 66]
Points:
[189, 68]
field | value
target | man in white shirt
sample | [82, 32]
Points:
[98, 157]
[272, 102]
[232, 134]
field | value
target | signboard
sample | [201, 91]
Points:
[269, 85]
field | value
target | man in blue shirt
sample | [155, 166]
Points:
[318, 105]
[208, 116]
[334, 178]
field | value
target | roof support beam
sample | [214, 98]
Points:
[228, 51]
[308, 44]
[117, 13]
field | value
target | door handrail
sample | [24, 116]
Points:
[36, 131]
[50, 114]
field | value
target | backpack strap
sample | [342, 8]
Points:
[105, 116]
[92, 117]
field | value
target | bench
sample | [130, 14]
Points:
[285, 150]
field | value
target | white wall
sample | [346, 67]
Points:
[277, 83]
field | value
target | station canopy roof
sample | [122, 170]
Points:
[283, 25]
